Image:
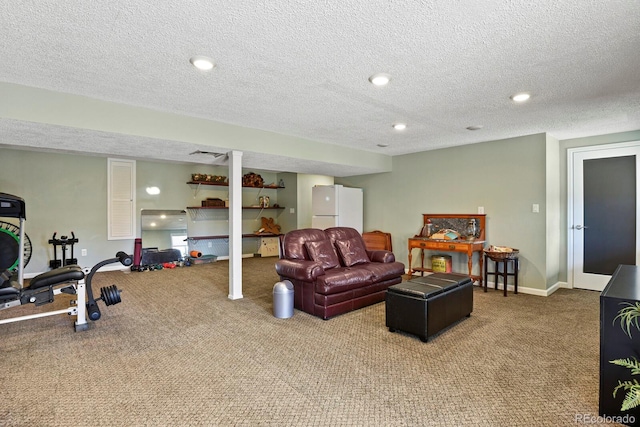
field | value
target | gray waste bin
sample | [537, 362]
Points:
[283, 299]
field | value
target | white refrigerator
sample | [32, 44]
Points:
[336, 206]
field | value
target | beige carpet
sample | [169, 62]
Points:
[178, 352]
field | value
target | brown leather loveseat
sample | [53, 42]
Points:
[332, 271]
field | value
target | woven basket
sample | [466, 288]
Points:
[500, 256]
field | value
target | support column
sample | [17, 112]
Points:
[235, 225]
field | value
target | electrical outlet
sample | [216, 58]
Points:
[480, 210]
[84, 252]
[535, 208]
[292, 210]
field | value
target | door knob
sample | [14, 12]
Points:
[580, 227]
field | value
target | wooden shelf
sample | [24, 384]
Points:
[224, 207]
[226, 236]
[226, 184]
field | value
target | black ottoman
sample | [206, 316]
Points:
[424, 306]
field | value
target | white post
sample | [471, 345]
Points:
[235, 225]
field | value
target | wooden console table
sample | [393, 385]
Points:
[463, 245]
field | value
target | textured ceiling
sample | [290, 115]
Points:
[300, 68]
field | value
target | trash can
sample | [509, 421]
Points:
[283, 299]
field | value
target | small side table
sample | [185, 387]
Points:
[505, 271]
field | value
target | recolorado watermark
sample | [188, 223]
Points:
[604, 419]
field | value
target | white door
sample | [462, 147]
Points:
[603, 212]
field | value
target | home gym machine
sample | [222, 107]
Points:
[63, 242]
[43, 288]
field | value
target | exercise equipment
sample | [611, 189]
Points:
[43, 288]
[15, 245]
[63, 242]
[137, 252]
[71, 280]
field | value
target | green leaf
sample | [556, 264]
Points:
[630, 363]
[629, 316]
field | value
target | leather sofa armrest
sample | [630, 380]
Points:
[381, 256]
[306, 271]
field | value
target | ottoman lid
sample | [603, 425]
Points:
[460, 279]
[445, 281]
[418, 290]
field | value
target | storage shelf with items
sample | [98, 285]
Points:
[225, 207]
[226, 184]
[210, 220]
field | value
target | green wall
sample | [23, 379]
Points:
[505, 177]
[62, 193]
[65, 193]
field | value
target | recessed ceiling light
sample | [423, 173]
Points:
[202, 63]
[380, 79]
[520, 97]
[383, 145]
[475, 127]
[399, 126]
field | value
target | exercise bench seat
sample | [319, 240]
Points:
[59, 275]
[9, 293]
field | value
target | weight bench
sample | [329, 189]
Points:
[42, 290]
[70, 280]
[424, 306]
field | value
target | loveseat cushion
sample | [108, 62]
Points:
[352, 251]
[293, 243]
[343, 279]
[384, 271]
[381, 256]
[323, 252]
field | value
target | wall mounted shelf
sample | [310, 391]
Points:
[197, 185]
[226, 236]
[224, 207]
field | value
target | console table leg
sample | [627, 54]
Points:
[486, 261]
[480, 261]
[505, 275]
[515, 273]
[410, 256]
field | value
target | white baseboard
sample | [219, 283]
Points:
[522, 289]
[226, 257]
[532, 291]
[112, 267]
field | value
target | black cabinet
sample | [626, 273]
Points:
[620, 346]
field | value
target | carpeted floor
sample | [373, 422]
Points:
[178, 352]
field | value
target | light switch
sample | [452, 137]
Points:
[480, 210]
[535, 208]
